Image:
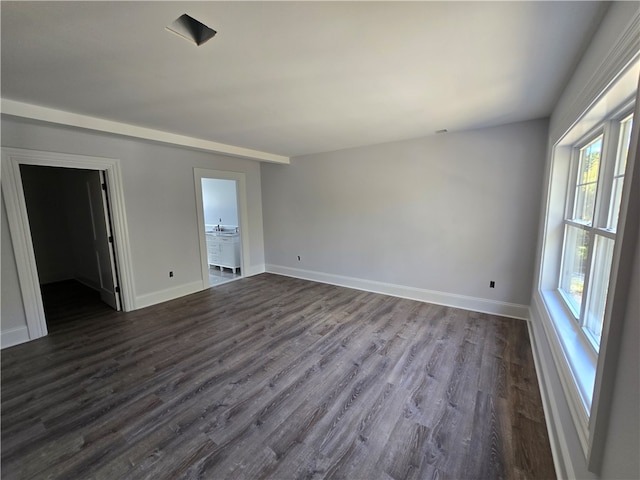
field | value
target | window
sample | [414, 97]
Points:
[593, 204]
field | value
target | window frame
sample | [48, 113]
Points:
[578, 365]
[609, 130]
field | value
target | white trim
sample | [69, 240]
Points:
[579, 369]
[243, 217]
[36, 112]
[563, 364]
[546, 404]
[20, 231]
[615, 309]
[172, 293]
[14, 336]
[557, 438]
[23, 248]
[255, 270]
[475, 304]
[622, 53]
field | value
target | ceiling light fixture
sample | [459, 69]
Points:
[191, 29]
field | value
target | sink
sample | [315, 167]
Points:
[224, 230]
[226, 233]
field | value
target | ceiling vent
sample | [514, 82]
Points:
[191, 29]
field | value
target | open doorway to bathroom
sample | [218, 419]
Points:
[223, 225]
[222, 229]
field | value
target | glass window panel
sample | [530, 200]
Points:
[599, 285]
[574, 266]
[623, 147]
[618, 179]
[616, 198]
[587, 181]
[585, 202]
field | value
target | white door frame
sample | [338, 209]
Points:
[18, 219]
[243, 218]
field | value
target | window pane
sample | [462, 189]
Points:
[588, 168]
[621, 165]
[623, 148]
[598, 286]
[614, 208]
[574, 266]
[585, 202]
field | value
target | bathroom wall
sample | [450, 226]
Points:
[220, 202]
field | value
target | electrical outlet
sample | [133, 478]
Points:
[492, 284]
[171, 274]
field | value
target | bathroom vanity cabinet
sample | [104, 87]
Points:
[223, 251]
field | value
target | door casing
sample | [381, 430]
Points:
[241, 196]
[18, 220]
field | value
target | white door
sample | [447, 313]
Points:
[103, 239]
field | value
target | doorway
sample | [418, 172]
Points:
[71, 232]
[222, 225]
[222, 231]
[21, 238]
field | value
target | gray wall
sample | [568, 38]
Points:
[159, 195]
[60, 223]
[45, 192]
[447, 213]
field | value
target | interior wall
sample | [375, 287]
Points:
[45, 191]
[446, 213]
[159, 196]
[62, 229]
[219, 201]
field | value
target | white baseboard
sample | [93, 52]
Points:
[87, 282]
[493, 307]
[14, 336]
[154, 298]
[554, 398]
[54, 277]
[556, 436]
[254, 270]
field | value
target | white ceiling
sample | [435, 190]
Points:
[294, 78]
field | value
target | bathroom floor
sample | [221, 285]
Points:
[219, 275]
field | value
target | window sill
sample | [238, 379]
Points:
[575, 360]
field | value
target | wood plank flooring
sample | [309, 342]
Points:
[274, 377]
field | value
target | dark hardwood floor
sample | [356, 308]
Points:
[70, 302]
[274, 377]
